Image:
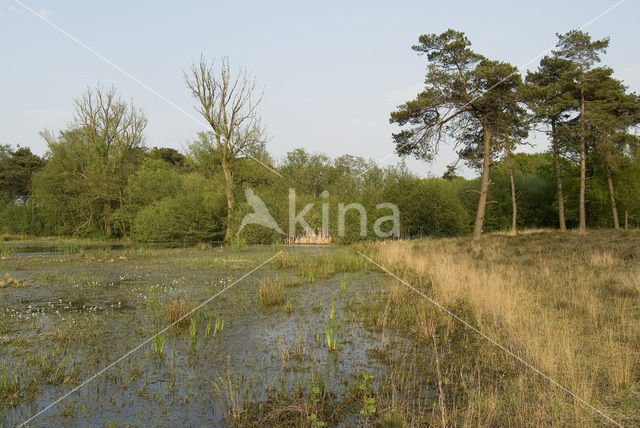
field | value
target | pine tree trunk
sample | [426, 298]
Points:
[484, 186]
[228, 177]
[583, 166]
[614, 209]
[556, 155]
[514, 204]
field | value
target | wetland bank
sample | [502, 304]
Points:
[319, 335]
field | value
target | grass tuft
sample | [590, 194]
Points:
[178, 308]
[9, 281]
[270, 292]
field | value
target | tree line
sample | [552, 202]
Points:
[99, 178]
[487, 109]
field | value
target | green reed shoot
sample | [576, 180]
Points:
[157, 345]
[193, 328]
[331, 331]
[219, 325]
[207, 329]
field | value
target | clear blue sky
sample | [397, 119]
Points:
[331, 71]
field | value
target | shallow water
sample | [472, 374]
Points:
[79, 314]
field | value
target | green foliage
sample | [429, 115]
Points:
[98, 179]
[20, 218]
[16, 171]
[71, 249]
[92, 160]
[196, 214]
[535, 185]
[238, 243]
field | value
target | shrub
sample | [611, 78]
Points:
[195, 215]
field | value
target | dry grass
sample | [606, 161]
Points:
[566, 303]
[178, 308]
[9, 281]
[284, 261]
[270, 292]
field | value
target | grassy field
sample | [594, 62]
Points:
[321, 336]
[567, 304]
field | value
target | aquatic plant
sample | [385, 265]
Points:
[331, 331]
[362, 392]
[157, 344]
[6, 251]
[10, 394]
[153, 303]
[179, 310]
[193, 328]
[311, 276]
[71, 249]
[207, 329]
[270, 292]
[219, 325]
[369, 406]
[315, 422]
[317, 391]
[216, 325]
[343, 282]
[284, 261]
[230, 395]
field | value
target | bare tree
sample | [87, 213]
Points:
[228, 103]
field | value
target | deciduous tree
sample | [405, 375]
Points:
[100, 151]
[228, 102]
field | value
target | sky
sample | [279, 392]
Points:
[331, 72]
